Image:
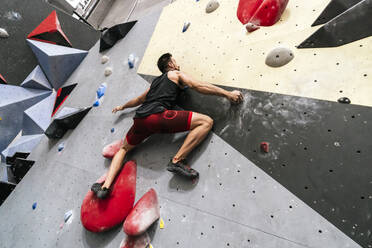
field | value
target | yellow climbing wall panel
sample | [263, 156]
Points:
[216, 48]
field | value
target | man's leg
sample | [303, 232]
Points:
[199, 128]
[117, 163]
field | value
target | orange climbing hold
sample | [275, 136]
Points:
[261, 12]
[2, 79]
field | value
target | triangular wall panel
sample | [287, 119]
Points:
[333, 9]
[352, 25]
[61, 97]
[13, 101]
[37, 80]
[113, 34]
[50, 31]
[57, 62]
[37, 118]
[66, 111]
[23, 144]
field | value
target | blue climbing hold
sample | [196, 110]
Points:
[131, 60]
[96, 103]
[112, 130]
[185, 26]
[34, 205]
[101, 90]
[61, 147]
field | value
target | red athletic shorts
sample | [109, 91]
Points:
[169, 121]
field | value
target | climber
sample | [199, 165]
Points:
[157, 115]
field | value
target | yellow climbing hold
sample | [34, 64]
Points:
[1, 119]
[150, 246]
[161, 224]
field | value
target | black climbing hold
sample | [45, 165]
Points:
[344, 100]
[111, 35]
[11, 160]
[5, 189]
[60, 125]
[353, 24]
[20, 168]
[333, 9]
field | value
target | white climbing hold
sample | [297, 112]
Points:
[3, 33]
[212, 6]
[104, 59]
[279, 56]
[108, 71]
[67, 215]
[13, 16]
[251, 27]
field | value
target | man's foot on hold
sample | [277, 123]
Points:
[100, 192]
[182, 169]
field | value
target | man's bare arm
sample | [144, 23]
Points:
[132, 103]
[208, 88]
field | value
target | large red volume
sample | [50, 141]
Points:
[50, 31]
[145, 212]
[98, 215]
[2, 79]
[261, 12]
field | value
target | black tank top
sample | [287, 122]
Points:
[162, 95]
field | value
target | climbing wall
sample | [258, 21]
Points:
[317, 147]
[234, 204]
[218, 49]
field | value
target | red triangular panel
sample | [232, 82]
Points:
[62, 95]
[50, 31]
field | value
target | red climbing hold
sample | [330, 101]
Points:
[50, 31]
[145, 212]
[110, 150]
[251, 27]
[2, 79]
[264, 147]
[98, 215]
[261, 12]
[142, 241]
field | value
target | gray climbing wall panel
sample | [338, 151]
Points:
[13, 101]
[37, 118]
[234, 204]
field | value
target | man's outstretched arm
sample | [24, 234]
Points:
[132, 103]
[208, 88]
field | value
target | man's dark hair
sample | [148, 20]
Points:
[163, 62]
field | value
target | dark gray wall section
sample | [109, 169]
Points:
[17, 59]
[319, 150]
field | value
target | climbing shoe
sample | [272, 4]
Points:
[182, 169]
[100, 192]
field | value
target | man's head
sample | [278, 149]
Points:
[167, 63]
